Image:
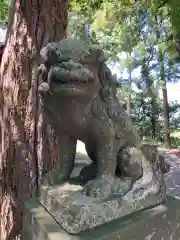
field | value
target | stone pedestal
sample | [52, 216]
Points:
[161, 222]
[77, 212]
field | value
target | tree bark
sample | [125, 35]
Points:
[153, 116]
[129, 93]
[150, 93]
[28, 145]
[167, 140]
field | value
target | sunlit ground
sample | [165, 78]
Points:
[80, 148]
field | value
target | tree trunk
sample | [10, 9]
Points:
[167, 140]
[129, 93]
[149, 85]
[153, 116]
[28, 145]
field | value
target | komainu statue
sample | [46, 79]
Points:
[78, 99]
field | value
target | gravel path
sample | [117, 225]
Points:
[172, 157]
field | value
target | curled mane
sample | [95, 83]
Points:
[108, 83]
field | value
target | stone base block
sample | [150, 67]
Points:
[77, 212]
[159, 223]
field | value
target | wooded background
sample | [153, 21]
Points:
[138, 36]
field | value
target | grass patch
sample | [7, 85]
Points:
[175, 142]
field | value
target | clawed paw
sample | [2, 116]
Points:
[100, 187]
[122, 186]
[104, 186]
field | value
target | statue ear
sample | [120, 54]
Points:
[97, 54]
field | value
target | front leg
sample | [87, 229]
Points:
[105, 154]
[105, 182]
[67, 153]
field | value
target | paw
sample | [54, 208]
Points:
[100, 187]
[122, 186]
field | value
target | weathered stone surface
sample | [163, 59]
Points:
[159, 223]
[78, 96]
[76, 212]
[78, 99]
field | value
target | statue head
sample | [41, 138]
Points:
[73, 68]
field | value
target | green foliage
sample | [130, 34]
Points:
[142, 115]
[84, 5]
[133, 41]
[174, 12]
[175, 142]
[3, 10]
